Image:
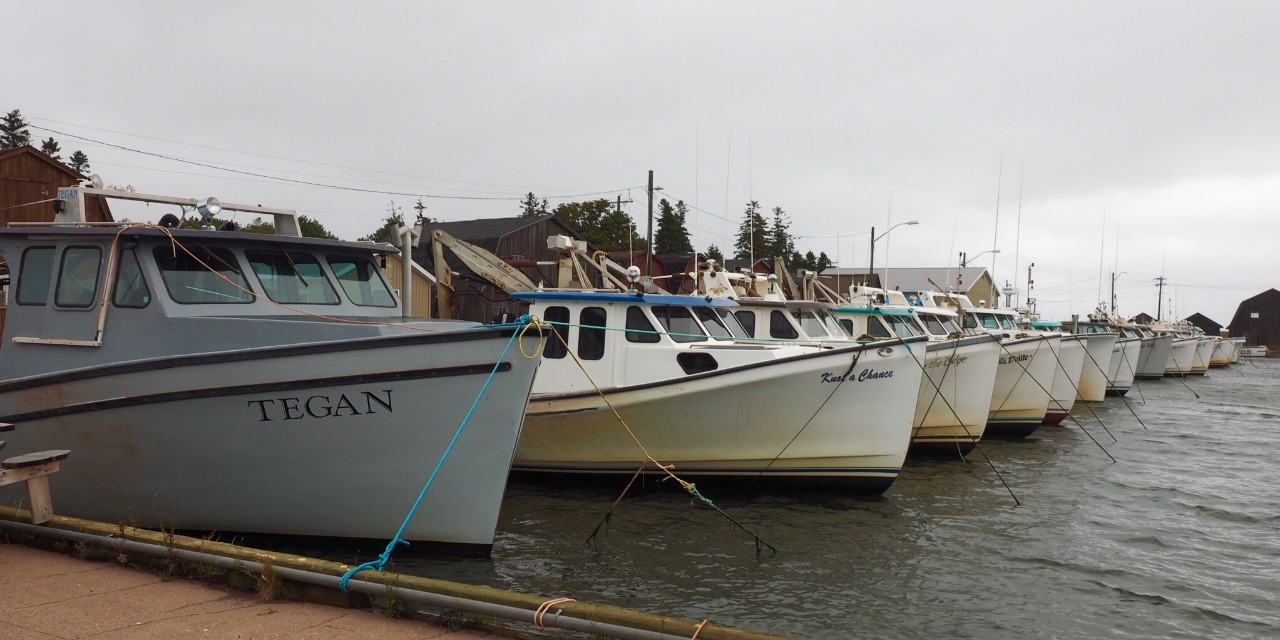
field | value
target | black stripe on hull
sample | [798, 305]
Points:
[261, 388]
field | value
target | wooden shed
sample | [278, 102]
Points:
[1257, 319]
[29, 181]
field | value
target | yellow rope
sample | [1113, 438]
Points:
[688, 486]
[545, 607]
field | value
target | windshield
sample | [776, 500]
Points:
[810, 323]
[939, 325]
[731, 321]
[679, 323]
[903, 326]
[1007, 322]
[716, 325]
[833, 325]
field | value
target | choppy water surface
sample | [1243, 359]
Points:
[1178, 538]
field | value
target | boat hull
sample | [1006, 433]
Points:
[1123, 367]
[1024, 377]
[846, 422]
[953, 404]
[1182, 356]
[1066, 378]
[1204, 353]
[1097, 361]
[1153, 359]
[324, 439]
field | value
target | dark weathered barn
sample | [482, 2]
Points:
[1208, 326]
[1257, 319]
[521, 241]
[1143, 318]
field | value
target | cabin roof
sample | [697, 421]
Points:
[622, 298]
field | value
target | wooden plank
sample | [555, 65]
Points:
[37, 458]
[14, 476]
[41, 502]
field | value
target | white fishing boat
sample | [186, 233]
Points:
[1153, 359]
[1122, 365]
[245, 382]
[690, 390]
[1225, 351]
[1025, 369]
[1191, 351]
[1066, 380]
[953, 406]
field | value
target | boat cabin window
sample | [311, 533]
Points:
[360, 280]
[877, 328]
[639, 329]
[558, 318]
[678, 322]
[933, 324]
[131, 288]
[731, 321]
[748, 321]
[780, 326]
[591, 333]
[988, 320]
[848, 326]
[78, 277]
[33, 283]
[717, 326]
[810, 324]
[902, 326]
[291, 278]
[834, 326]
[1007, 322]
[195, 275]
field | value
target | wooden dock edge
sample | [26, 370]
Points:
[606, 614]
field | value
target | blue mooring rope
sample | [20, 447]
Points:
[386, 554]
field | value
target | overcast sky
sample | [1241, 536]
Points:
[1141, 138]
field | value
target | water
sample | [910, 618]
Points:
[1179, 537]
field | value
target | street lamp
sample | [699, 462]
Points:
[872, 265]
[964, 260]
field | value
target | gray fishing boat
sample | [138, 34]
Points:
[222, 380]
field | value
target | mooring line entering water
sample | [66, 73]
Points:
[690, 487]
[938, 395]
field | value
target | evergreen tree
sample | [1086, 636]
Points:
[51, 149]
[394, 220]
[531, 206]
[672, 236]
[780, 242]
[753, 233]
[79, 162]
[822, 263]
[13, 131]
[714, 253]
[312, 228]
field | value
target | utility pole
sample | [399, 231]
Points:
[648, 264]
[1159, 295]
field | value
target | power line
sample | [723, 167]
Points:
[312, 183]
[271, 157]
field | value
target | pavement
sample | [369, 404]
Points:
[46, 595]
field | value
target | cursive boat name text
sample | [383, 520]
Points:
[296, 408]
[864, 375]
[1018, 358]
[947, 361]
